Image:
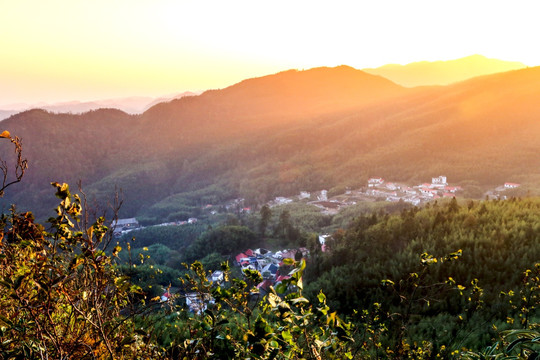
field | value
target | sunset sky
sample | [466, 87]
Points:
[60, 50]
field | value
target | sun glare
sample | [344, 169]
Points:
[153, 47]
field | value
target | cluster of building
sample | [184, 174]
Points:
[499, 191]
[394, 192]
[196, 302]
[377, 188]
[269, 264]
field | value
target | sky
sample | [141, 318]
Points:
[61, 50]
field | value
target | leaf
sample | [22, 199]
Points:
[286, 335]
[116, 250]
[514, 343]
[288, 261]
[222, 322]
[300, 300]
[273, 299]
[281, 288]
[300, 284]
[6, 320]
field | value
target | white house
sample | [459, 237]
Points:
[282, 200]
[121, 226]
[509, 185]
[413, 200]
[125, 223]
[166, 296]
[439, 182]
[322, 238]
[381, 193]
[451, 189]
[407, 190]
[197, 302]
[217, 276]
[323, 196]
[373, 182]
[304, 195]
[428, 192]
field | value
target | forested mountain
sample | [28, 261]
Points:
[282, 133]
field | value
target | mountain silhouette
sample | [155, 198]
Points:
[443, 72]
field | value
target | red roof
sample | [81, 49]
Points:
[249, 252]
[265, 284]
[240, 256]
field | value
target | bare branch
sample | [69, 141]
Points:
[20, 166]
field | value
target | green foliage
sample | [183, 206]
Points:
[497, 239]
[173, 237]
[63, 296]
[60, 296]
[280, 325]
[225, 240]
[514, 344]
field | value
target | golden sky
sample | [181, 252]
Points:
[59, 50]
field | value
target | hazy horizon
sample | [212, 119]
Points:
[59, 51]
[499, 65]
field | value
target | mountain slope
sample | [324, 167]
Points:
[265, 103]
[283, 133]
[443, 72]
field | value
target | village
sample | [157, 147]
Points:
[376, 189]
[271, 265]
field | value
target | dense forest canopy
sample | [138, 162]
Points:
[444, 281]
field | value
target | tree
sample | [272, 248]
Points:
[245, 325]
[20, 164]
[60, 296]
[266, 215]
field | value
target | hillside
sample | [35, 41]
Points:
[443, 72]
[270, 102]
[282, 133]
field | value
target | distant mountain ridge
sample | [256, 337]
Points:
[130, 105]
[322, 128]
[425, 73]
